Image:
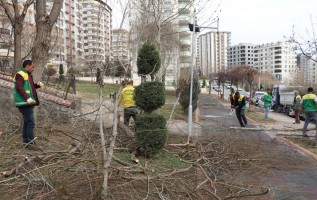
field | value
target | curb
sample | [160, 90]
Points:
[297, 148]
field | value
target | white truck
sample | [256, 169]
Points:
[283, 98]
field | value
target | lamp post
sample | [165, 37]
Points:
[195, 29]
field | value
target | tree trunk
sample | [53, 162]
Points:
[44, 25]
[17, 47]
[41, 48]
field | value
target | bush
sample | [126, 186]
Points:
[151, 134]
[150, 96]
[185, 93]
[148, 61]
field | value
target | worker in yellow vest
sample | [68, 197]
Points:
[240, 106]
[309, 107]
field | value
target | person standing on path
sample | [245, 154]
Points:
[309, 107]
[25, 98]
[232, 101]
[240, 107]
[297, 106]
[130, 109]
[267, 99]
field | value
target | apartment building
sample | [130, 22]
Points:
[185, 10]
[308, 68]
[97, 32]
[120, 45]
[240, 55]
[212, 52]
[277, 58]
[67, 36]
[120, 50]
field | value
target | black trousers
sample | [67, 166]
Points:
[130, 112]
[241, 117]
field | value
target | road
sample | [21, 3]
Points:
[289, 174]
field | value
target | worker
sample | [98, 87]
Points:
[296, 106]
[308, 104]
[240, 106]
[127, 96]
[231, 98]
[267, 99]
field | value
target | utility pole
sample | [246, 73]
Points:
[190, 107]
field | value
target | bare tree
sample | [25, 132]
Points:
[45, 21]
[16, 16]
[307, 45]
[249, 75]
[235, 76]
[222, 78]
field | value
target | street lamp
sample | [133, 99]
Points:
[193, 27]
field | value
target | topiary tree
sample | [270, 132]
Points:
[185, 93]
[148, 61]
[151, 133]
[150, 96]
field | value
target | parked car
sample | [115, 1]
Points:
[228, 86]
[218, 89]
[244, 93]
[257, 97]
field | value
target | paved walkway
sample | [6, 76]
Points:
[291, 175]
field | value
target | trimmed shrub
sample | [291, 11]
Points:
[185, 93]
[150, 96]
[151, 134]
[148, 61]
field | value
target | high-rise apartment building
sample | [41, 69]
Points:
[97, 32]
[309, 69]
[67, 43]
[120, 45]
[277, 58]
[212, 52]
[120, 51]
[240, 55]
[185, 16]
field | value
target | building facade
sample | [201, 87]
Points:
[308, 68]
[212, 52]
[97, 28]
[277, 58]
[241, 55]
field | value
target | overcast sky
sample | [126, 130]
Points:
[251, 21]
[263, 21]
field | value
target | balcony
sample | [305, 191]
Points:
[186, 42]
[184, 7]
[185, 65]
[185, 54]
[184, 20]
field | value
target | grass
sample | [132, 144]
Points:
[258, 117]
[160, 162]
[167, 109]
[306, 143]
[91, 90]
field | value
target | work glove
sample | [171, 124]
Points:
[40, 84]
[30, 101]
